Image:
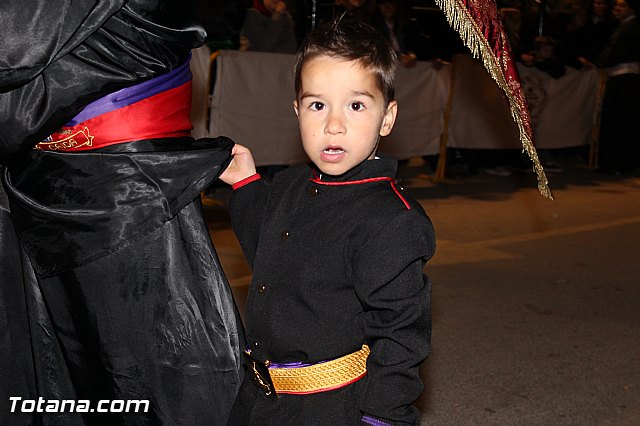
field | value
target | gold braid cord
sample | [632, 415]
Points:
[480, 28]
[323, 376]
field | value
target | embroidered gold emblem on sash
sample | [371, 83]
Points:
[59, 141]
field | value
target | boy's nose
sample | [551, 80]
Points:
[335, 124]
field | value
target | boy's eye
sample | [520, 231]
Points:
[316, 106]
[357, 106]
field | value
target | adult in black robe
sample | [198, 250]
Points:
[619, 150]
[110, 288]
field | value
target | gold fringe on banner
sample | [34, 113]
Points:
[461, 20]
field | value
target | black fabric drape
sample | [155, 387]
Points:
[110, 287]
[129, 300]
[89, 204]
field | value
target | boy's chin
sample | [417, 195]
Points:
[332, 169]
[335, 169]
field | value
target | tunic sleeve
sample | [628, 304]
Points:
[246, 208]
[395, 295]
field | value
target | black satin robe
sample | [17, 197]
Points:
[110, 287]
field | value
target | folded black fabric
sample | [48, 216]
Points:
[73, 208]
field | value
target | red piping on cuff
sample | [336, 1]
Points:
[239, 184]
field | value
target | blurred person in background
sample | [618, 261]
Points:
[222, 20]
[359, 9]
[268, 27]
[600, 25]
[411, 45]
[586, 35]
[619, 149]
[544, 57]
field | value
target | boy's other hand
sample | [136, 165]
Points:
[241, 166]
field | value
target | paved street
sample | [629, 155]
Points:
[536, 302]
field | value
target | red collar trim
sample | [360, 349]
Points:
[351, 182]
[391, 181]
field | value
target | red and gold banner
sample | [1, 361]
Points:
[479, 26]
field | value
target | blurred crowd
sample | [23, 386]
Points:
[279, 25]
[550, 35]
[569, 32]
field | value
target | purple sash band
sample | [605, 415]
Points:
[289, 365]
[133, 94]
[373, 421]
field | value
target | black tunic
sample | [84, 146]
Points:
[336, 266]
[110, 288]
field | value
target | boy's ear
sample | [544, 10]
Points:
[295, 107]
[389, 118]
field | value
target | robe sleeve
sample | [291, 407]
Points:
[395, 295]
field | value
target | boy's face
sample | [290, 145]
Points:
[341, 113]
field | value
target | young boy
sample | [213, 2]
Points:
[339, 309]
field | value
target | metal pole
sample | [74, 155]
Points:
[543, 5]
[313, 14]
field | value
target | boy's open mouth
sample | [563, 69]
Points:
[333, 150]
[333, 154]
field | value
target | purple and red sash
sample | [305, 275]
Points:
[157, 108]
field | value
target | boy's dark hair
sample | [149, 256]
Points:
[351, 39]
